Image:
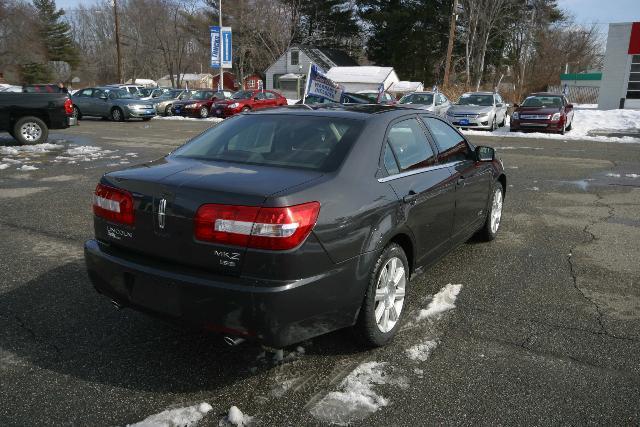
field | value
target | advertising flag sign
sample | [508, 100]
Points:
[221, 44]
[320, 85]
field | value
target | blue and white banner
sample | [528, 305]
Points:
[217, 49]
[320, 85]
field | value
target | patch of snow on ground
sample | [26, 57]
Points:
[421, 352]
[181, 417]
[614, 175]
[4, 166]
[235, 417]
[356, 398]
[27, 168]
[585, 106]
[292, 101]
[632, 175]
[193, 119]
[443, 301]
[584, 121]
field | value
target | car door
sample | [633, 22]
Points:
[83, 100]
[259, 100]
[472, 178]
[425, 188]
[100, 105]
[501, 109]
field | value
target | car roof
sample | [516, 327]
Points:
[480, 93]
[545, 94]
[357, 111]
[422, 91]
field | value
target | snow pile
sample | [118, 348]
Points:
[422, 351]
[443, 301]
[4, 166]
[235, 417]
[585, 121]
[626, 175]
[38, 148]
[193, 119]
[356, 398]
[27, 168]
[181, 417]
[292, 101]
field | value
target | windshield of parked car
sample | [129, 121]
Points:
[543, 102]
[120, 94]
[201, 94]
[243, 94]
[319, 143]
[478, 100]
[417, 98]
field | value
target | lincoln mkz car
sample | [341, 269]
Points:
[479, 110]
[288, 223]
[543, 112]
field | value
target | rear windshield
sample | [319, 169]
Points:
[318, 143]
[418, 98]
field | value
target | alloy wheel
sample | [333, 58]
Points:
[496, 209]
[116, 115]
[31, 131]
[390, 294]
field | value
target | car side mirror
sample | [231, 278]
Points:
[499, 105]
[485, 154]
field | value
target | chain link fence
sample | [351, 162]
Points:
[579, 94]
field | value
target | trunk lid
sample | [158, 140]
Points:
[182, 186]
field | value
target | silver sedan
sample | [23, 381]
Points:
[478, 110]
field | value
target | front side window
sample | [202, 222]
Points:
[410, 145]
[269, 95]
[202, 95]
[243, 94]
[452, 146]
[318, 143]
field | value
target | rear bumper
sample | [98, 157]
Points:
[274, 313]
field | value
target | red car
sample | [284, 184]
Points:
[543, 112]
[199, 103]
[246, 100]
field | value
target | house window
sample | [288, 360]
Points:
[276, 80]
[295, 57]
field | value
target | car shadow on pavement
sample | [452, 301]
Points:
[58, 322]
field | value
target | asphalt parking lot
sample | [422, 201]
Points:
[545, 329]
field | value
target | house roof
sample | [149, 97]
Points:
[190, 77]
[327, 58]
[366, 74]
[404, 86]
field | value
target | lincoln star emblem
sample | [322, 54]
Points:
[162, 208]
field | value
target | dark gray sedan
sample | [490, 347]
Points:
[112, 103]
[285, 224]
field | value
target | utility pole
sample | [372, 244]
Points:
[221, 81]
[115, 15]
[452, 35]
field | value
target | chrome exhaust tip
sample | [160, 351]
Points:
[233, 341]
[116, 304]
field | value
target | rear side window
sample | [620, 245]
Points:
[452, 146]
[319, 143]
[410, 145]
[390, 161]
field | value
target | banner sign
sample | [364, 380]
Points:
[217, 49]
[320, 85]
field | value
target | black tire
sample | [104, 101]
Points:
[204, 112]
[117, 115]
[487, 233]
[494, 126]
[569, 127]
[168, 111]
[366, 327]
[76, 113]
[30, 130]
[504, 121]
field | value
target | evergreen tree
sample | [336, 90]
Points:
[409, 35]
[35, 73]
[55, 33]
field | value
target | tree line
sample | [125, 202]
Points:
[526, 43]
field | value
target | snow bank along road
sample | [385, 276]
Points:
[541, 326]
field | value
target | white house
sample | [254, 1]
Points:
[193, 80]
[620, 86]
[355, 79]
[288, 74]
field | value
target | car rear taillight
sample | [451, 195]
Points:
[254, 227]
[68, 107]
[113, 204]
